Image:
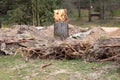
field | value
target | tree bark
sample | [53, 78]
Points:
[102, 9]
[61, 25]
[79, 10]
[89, 18]
[61, 30]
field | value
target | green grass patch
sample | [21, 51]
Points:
[15, 68]
[116, 13]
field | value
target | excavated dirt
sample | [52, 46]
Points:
[115, 33]
[97, 33]
[44, 36]
[43, 43]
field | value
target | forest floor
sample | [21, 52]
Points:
[15, 68]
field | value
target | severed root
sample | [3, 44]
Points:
[110, 58]
[28, 53]
[25, 53]
[19, 50]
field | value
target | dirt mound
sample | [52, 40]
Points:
[29, 36]
[41, 43]
[96, 33]
[105, 48]
[74, 29]
[110, 29]
[115, 33]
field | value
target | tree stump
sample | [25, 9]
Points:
[61, 30]
[61, 25]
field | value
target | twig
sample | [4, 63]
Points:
[44, 66]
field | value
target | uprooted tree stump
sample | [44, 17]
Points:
[60, 25]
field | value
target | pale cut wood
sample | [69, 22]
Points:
[60, 15]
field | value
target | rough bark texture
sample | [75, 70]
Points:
[61, 30]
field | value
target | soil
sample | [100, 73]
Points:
[115, 33]
[43, 37]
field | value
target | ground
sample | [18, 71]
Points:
[15, 68]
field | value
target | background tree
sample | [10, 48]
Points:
[40, 12]
[32, 12]
[80, 4]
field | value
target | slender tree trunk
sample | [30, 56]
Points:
[38, 16]
[79, 10]
[0, 24]
[33, 13]
[36, 7]
[102, 10]
[89, 13]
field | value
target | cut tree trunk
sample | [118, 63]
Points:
[61, 25]
[60, 15]
[61, 30]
